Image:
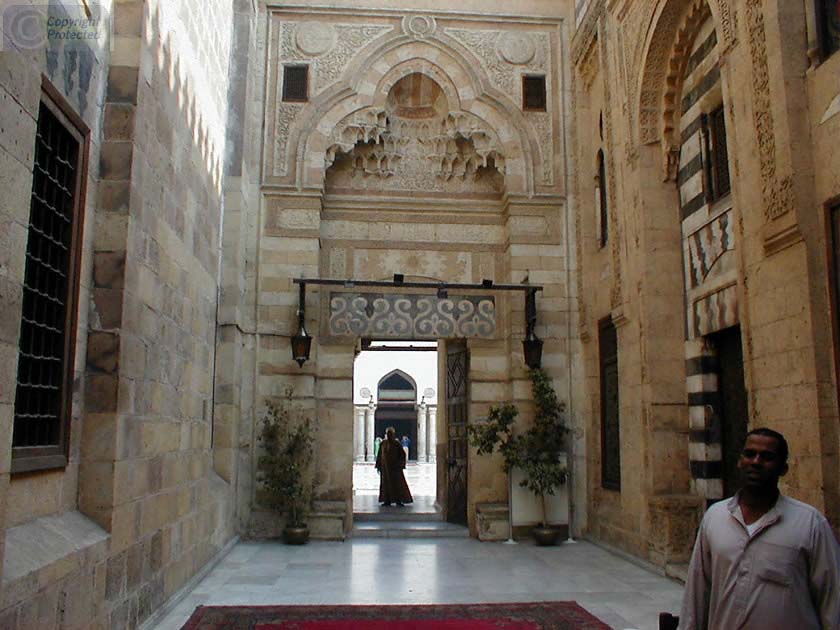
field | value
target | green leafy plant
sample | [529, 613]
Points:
[537, 451]
[284, 467]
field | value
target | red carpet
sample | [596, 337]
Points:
[521, 616]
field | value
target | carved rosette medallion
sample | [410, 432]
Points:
[419, 26]
[314, 38]
[516, 48]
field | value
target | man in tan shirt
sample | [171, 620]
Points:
[763, 560]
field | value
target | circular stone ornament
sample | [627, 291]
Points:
[419, 26]
[516, 47]
[314, 38]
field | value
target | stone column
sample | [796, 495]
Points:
[421, 433]
[369, 436]
[359, 434]
[432, 419]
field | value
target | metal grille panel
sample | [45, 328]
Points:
[41, 362]
[720, 159]
[533, 93]
[295, 83]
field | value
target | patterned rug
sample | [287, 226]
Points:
[521, 616]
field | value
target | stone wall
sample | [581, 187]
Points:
[332, 207]
[637, 70]
[139, 510]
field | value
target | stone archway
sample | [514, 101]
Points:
[481, 200]
[680, 87]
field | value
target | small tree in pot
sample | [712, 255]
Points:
[284, 468]
[536, 452]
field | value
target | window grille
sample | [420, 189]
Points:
[828, 16]
[716, 163]
[50, 288]
[610, 431]
[533, 93]
[721, 156]
[296, 83]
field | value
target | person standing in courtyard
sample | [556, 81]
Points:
[390, 463]
[763, 560]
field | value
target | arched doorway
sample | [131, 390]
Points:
[404, 154]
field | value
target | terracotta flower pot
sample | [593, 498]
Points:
[545, 536]
[296, 535]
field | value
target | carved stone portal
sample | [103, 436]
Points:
[415, 143]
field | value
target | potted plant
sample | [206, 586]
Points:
[536, 452]
[284, 467]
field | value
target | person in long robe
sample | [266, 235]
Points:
[390, 462]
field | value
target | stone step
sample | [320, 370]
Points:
[398, 514]
[409, 529]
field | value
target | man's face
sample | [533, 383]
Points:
[760, 463]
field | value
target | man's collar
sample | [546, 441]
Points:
[771, 516]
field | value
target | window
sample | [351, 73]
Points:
[296, 83]
[603, 208]
[46, 345]
[610, 443]
[716, 162]
[828, 20]
[533, 93]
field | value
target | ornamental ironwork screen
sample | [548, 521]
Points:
[49, 294]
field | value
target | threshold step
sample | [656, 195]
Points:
[409, 529]
[396, 514]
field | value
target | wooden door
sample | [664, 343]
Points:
[457, 404]
[733, 404]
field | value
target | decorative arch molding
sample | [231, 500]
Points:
[672, 28]
[398, 376]
[369, 79]
[698, 13]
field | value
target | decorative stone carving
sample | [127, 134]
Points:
[697, 15]
[543, 128]
[588, 68]
[284, 115]
[728, 24]
[455, 145]
[776, 194]
[616, 299]
[406, 315]
[484, 44]
[419, 26]
[587, 32]
[656, 67]
[314, 38]
[505, 75]
[670, 164]
[516, 47]
[328, 65]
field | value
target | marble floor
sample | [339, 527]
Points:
[388, 571]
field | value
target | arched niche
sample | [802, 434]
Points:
[371, 77]
[415, 141]
[673, 27]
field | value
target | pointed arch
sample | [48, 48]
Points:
[370, 77]
[672, 28]
[400, 383]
